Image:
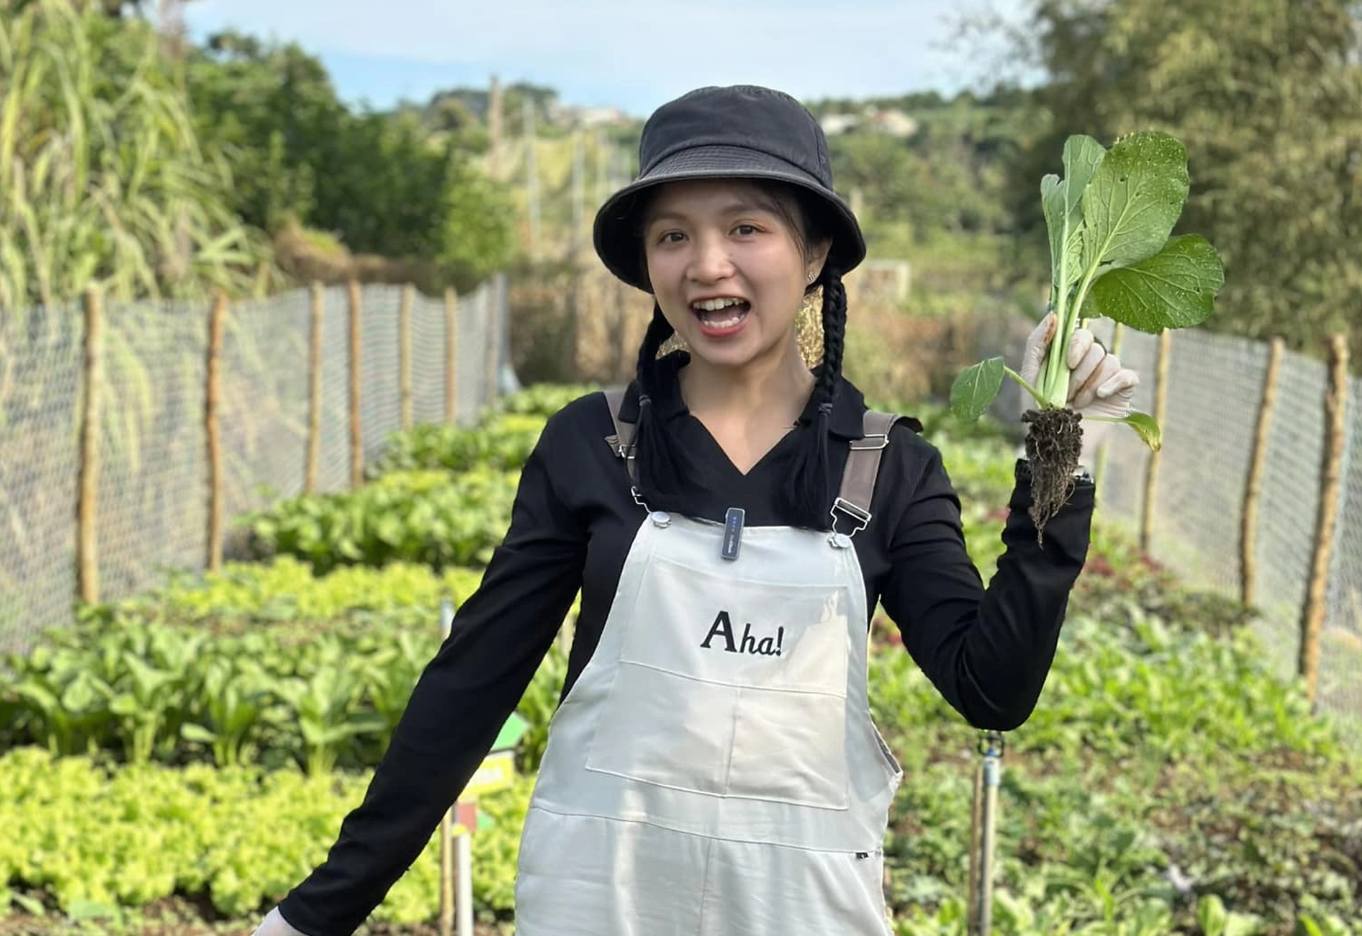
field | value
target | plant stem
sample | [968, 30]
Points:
[1040, 397]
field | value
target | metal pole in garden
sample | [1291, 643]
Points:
[983, 836]
[447, 821]
[464, 868]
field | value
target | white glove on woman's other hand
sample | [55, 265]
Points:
[1098, 384]
[276, 925]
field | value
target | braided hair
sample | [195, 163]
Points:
[805, 498]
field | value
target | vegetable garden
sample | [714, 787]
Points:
[175, 762]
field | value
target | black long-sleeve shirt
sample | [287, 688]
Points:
[574, 519]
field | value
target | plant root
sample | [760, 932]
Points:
[1053, 447]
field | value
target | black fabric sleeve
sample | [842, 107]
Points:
[498, 638]
[987, 651]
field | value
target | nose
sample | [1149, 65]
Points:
[710, 261]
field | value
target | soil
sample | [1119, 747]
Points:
[1053, 446]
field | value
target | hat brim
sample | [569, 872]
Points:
[615, 232]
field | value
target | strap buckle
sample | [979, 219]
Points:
[871, 442]
[619, 448]
[858, 515]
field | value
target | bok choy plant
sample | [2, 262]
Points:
[1111, 255]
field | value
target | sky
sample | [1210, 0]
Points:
[634, 55]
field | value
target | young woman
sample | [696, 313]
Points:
[731, 522]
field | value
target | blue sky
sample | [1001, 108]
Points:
[633, 55]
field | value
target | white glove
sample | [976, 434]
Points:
[1098, 384]
[276, 925]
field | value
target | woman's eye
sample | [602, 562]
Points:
[667, 238]
[745, 229]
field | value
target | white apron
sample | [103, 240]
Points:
[715, 771]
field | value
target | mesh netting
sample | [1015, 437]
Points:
[152, 513]
[428, 359]
[40, 367]
[263, 401]
[152, 496]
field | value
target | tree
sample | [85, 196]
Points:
[1267, 96]
[383, 183]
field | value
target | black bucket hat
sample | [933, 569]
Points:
[738, 132]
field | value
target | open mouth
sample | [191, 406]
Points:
[720, 316]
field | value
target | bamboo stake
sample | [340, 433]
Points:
[1253, 487]
[87, 559]
[1335, 429]
[451, 355]
[491, 335]
[356, 433]
[1151, 478]
[212, 431]
[314, 395]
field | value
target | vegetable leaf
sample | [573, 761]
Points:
[1148, 429]
[1134, 199]
[1175, 288]
[975, 388]
[1063, 205]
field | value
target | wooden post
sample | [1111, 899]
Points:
[216, 320]
[87, 559]
[491, 335]
[1151, 478]
[451, 355]
[1335, 429]
[404, 355]
[1253, 487]
[356, 433]
[314, 395]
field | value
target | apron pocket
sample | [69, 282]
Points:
[665, 729]
[790, 747]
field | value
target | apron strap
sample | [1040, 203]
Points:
[863, 466]
[622, 441]
[858, 478]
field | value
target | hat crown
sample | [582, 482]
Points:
[743, 116]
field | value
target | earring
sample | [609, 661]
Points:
[812, 275]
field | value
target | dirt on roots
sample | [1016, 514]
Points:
[1053, 446]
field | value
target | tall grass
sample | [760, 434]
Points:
[104, 182]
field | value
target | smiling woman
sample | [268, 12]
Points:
[730, 520]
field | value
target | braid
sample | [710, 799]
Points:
[806, 496]
[658, 472]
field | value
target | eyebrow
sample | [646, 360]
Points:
[732, 208]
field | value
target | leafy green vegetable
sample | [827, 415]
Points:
[1109, 221]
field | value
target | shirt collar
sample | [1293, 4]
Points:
[846, 421]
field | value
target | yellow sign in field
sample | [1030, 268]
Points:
[496, 772]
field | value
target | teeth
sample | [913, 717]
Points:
[714, 305]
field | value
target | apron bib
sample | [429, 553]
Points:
[715, 771]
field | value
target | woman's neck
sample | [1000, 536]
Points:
[779, 387]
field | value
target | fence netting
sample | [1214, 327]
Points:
[152, 491]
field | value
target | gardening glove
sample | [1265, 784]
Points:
[276, 925]
[1098, 384]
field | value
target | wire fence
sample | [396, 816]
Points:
[152, 489]
[1214, 393]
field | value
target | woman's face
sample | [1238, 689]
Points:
[727, 269]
